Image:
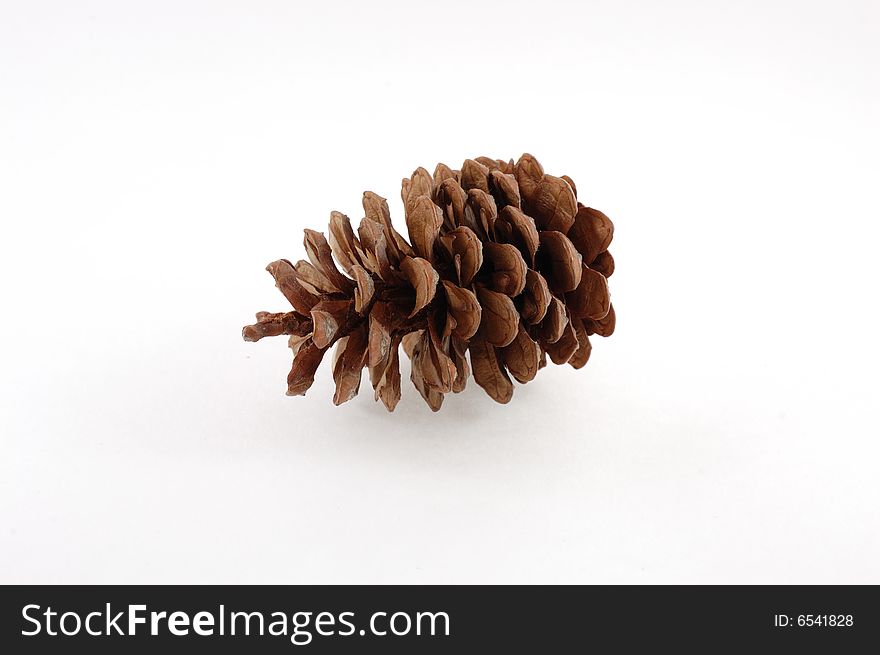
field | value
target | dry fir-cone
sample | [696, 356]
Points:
[502, 262]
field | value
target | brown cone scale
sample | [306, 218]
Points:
[502, 262]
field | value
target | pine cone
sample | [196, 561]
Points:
[502, 262]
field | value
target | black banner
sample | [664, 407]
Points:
[437, 619]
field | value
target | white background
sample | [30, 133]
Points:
[155, 156]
